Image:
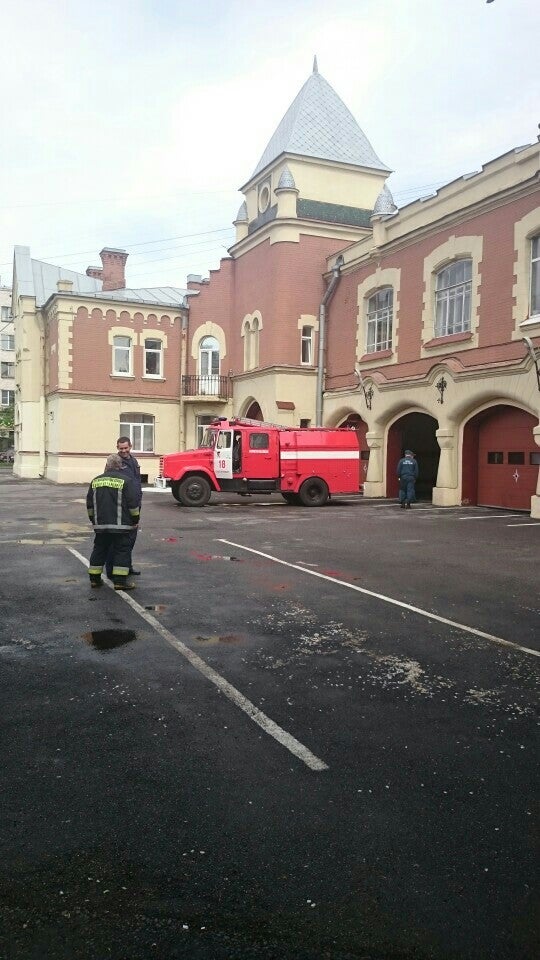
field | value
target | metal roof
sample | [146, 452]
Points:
[286, 180]
[384, 203]
[318, 124]
[38, 279]
[159, 296]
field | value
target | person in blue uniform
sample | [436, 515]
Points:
[133, 471]
[407, 471]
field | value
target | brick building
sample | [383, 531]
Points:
[93, 360]
[419, 327]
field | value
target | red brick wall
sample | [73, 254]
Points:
[496, 302]
[92, 354]
[282, 281]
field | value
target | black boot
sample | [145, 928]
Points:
[122, 583]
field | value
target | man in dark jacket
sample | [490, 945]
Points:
[407, 471]
[113, 509]
[133, 470]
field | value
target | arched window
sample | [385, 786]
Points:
[122, 356]
[247, 346]
[453, 298]
[380, 311]
[139, 427]
[209, 366]
[254, 343]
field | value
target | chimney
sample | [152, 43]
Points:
[114, 264]
[95, 272]
[64, 286]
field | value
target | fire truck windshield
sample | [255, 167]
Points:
[209, 438]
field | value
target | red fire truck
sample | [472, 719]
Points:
[305, 466]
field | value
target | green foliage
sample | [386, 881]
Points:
[7, 417]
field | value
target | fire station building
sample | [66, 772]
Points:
[417, 327]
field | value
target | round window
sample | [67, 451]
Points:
[264, 198]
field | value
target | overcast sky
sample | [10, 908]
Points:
[132, 123]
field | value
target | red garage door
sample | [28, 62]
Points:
[507, 459]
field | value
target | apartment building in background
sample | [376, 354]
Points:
[7, 360]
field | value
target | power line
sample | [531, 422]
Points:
[128, 246]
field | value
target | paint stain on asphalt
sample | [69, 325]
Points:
[104, 640]
[227, 638]
[213, 556]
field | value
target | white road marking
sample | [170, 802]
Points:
[491, 516]
[523, 524]
[381, 596]
[285, 739]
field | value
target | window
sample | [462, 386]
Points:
[535, 275]
[7, 342]
[307, 345]
[8, 398]
[122, 357]
[305, 423]
[202, 423]
[258, 441]
[153, 358]
[380, 308]
[139, 427]
[516, 457]
[209, 366]
[255, 343]
[495, 456]
[4, 315]
[534, 459]
[453, 299]
[7, 371]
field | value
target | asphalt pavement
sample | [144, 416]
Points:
[308, 734]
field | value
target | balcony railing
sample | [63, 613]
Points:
[208, 386]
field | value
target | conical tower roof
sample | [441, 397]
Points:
[318, 124]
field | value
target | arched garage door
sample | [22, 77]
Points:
[506, 461]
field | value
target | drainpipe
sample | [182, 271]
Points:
[329, 293]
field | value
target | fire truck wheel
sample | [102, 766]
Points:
[313, 492]
[194, 492]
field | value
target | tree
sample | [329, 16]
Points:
[7, 418]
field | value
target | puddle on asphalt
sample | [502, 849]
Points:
[104, 640]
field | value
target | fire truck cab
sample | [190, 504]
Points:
[305, 466]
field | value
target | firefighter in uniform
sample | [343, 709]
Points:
[113, 509]
[407, 471]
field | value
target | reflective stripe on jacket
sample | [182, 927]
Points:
[112, 502]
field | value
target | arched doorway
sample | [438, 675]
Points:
[416, 432]
[354, 422]
[254, 412]
[500, 458]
